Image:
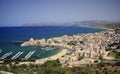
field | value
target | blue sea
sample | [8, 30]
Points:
[10, 34]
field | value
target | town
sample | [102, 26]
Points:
[81, 48]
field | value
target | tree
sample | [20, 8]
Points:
[101, 64]
[101, 58]
[117, 63]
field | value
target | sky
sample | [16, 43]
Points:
[19, 12]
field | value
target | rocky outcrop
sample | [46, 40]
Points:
[31, 42]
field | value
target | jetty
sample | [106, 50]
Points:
[29, 55]
[6, 55]
[17, 41]
[0, 50]
[17, 55]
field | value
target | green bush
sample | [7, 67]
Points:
[101, 64]
[117, 63]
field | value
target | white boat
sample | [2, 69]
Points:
[47, 48]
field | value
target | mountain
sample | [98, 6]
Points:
[79, 23]
[93, 22]
[44, 24]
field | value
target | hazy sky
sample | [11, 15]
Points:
[18, 12]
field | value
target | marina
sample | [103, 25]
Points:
[17, 55]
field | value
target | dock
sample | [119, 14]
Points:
[6, 55]
[29, 55]
[17, 41]
[17, 55]
[0, 50]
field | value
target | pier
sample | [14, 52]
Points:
[17, 41]
[29, 55]
[0, 50]
[17, 55]
[6, 55]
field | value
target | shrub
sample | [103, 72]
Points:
[105, 68]
[117, 63]
[100, 68]
[115, 70]
[101, 64]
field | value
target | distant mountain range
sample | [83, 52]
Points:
[44, 24]
[81, 23]
[93, 22]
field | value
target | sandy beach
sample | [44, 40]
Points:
[54, 57]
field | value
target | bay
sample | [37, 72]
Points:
[10, 34]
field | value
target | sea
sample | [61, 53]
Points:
[12, 37]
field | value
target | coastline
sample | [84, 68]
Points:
[103, 28]
[57, 55]
[95, 27]
[53, 57]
